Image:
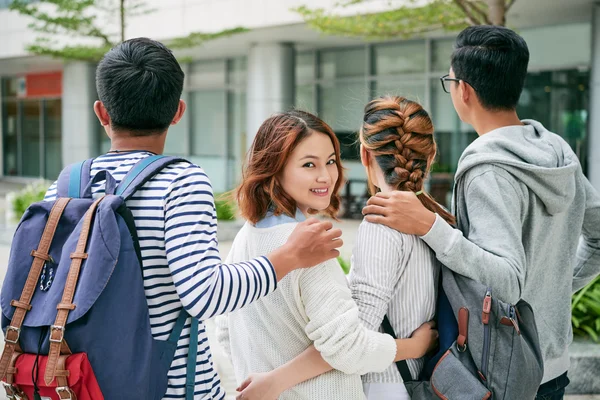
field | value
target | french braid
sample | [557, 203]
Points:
[399, 133]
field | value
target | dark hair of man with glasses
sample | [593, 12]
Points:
[527, 219]
[493, 60]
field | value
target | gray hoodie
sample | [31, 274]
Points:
[529, 227]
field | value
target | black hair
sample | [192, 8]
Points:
[140, 83]
[493, 60]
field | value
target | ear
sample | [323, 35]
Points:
[101, 113]
[364, 156]
[180, 111]
[465, 91]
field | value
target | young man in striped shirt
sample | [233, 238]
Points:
[139, 84]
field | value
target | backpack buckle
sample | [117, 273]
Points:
[61, 329]
[60, 390]
[13, 392]
[13, 329]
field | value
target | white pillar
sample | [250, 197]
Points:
[79, 123]
[594, 114]
[270, 83]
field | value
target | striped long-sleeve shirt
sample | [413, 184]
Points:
[176, 223]
[393, 274]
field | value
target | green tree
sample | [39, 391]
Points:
[91, 25]
[406, 18]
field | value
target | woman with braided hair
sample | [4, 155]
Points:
[394, 275]
[398, 149]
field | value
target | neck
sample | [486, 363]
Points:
[124, 141]
[490, 120]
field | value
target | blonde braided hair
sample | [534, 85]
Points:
[399, 134]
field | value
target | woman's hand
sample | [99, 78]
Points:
[259, 386]
[425, 338]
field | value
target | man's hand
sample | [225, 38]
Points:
[311, 243]
[401, 211]
[261, 386]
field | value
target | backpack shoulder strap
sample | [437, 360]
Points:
[73, 179]
[142, 172]
[401, 365]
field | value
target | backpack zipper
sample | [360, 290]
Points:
[485, 318]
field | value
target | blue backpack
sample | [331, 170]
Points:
[74, 312]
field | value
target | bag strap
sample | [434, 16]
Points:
[73, 179]
[402, 364]
[190, 378]
[57, 331]
[40, 256]
[142, 172]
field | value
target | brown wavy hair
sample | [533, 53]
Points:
[260, 190]
[399, 133]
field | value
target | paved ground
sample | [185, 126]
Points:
[222, 364]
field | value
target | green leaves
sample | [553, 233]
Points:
[405, 18]
[198, 38]
[30, 194]
[585, 311]
[91, 25]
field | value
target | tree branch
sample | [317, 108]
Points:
[473, 4]
[470, 16]
[509, 5]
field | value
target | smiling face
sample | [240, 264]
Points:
[311, 172]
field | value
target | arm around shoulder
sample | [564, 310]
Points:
[588, 251]
[334, 325]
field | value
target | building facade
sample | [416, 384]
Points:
[234, 83]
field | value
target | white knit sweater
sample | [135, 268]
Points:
[310, 306]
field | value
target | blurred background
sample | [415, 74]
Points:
[245, 59]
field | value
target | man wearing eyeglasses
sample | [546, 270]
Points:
[528, 219]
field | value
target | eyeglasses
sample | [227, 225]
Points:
[446, 78]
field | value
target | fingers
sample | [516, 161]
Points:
[375, 219]
[431, 324]
[378, 201]
[374, 210]
[244, 384]
[332, 234]
[311, 221]
[383, 195]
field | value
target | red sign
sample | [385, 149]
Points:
[47, 84]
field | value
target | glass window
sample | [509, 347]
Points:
[411, 90]
[10, 87]
[343, 63]
[9, 129]
[560, 101]
[342, 106]
[400, 58]
[177, 141]
[452, 136]
[573, 40]
[238, 68]
[208, 73]
[305, 98]
[53, 138]
[30, 143]
[236, 143]
[441, 53]
[208, 123]
[305, 67]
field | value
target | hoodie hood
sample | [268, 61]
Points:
[540, 159]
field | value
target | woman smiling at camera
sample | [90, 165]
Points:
[294, 171]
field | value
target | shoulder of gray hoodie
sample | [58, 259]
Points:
[528, 226]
